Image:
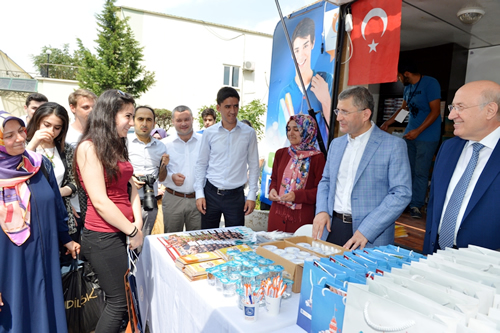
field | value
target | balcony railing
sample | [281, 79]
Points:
[55, 71]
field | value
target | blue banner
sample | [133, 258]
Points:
[313, 32]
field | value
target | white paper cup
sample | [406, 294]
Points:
[251, 311]
[273, 305]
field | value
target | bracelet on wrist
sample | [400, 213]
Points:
[134, 232]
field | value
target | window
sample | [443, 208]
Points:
[231, 76]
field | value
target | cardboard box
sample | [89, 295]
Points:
[310, 240]
[294, 270]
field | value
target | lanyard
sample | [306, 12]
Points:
[414, 91]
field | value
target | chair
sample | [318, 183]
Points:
[305, 230]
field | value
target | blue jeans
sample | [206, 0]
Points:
[420, 154]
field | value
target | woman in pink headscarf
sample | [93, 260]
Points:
[296, 173]
[33, 221]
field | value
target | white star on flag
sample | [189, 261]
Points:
[373, 46]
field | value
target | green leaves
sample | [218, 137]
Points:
[253, 111]
[118, 58]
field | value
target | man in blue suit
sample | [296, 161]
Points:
[464, 200]
[366, 182]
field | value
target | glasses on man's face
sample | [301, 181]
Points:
[345, 113]
[460, 108]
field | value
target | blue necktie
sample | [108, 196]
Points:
[447, 234]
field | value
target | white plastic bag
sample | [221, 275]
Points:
[370, 313]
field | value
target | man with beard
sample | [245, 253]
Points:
[179, 200]
[148, 156]
[422, 98]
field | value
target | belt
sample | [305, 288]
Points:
[346, 218]
[223, 192]
[180, 194]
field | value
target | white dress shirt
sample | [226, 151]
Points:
[183, 157]
[347, 171]
[489, 142]
[145, 158]
[226, 157]
[73, 138]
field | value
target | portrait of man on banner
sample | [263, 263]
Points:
[313, 34]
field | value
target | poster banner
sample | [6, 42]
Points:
[313, 32]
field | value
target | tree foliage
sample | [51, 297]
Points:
[252, 111]
[58, 57]
[117, 62]
[163, 118]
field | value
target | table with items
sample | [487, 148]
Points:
[175, 299]
[219, 284]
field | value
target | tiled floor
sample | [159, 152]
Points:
[415, 228]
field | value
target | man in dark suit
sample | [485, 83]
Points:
[464, 200]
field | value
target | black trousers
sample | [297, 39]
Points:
[107, 253]
[230, 203]
[341, 232]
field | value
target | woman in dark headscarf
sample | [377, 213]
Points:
[33, 221]
[297, 171]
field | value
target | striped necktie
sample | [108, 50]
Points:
[447, 234]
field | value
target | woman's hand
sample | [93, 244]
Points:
[65, 191]
[273, 195]
[1, 302]
[289, 197]
[136, 241]
[73, 248]
[44, 135]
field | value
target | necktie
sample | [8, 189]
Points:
[447, 234]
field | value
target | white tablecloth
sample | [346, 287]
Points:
[171, 303]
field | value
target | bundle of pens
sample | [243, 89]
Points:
[252, 296]
[273, 288]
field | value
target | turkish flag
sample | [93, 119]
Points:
[375, 39]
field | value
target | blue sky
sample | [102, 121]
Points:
[28, 25]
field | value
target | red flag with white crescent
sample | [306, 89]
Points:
[376, 39]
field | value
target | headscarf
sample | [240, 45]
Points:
[297, 170]
[163, 134]
[14, 192]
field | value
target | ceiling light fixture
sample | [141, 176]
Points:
[470, 14]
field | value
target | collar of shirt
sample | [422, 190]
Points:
[153, 141]
[175, 137]
[489, 141]
[362, 138]
[219, 127]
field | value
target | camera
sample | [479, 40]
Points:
[149, 201]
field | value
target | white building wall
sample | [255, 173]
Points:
[57, 90]
[188, 58]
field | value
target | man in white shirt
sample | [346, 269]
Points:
[463, 201]
[228, 153]
[33, 102]
[149, 158]
[366, 182]
[81, 102]
[179, 200]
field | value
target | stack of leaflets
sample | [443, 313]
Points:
[201, 241]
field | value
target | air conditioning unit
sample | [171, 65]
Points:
[249, 66]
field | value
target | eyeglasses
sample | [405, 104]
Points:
[461, 108]
[345, 113]
[121, 93]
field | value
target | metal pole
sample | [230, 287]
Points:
[311, 112]
[48, 60]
